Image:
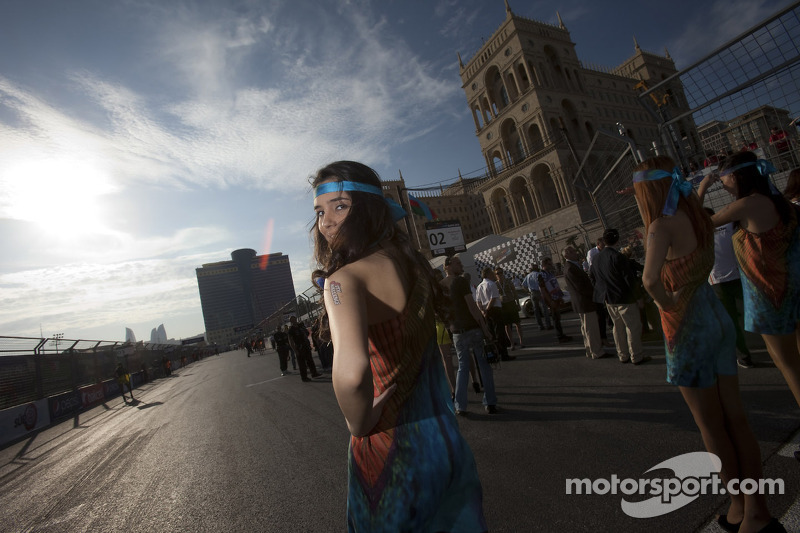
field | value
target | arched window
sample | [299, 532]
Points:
[545, 187]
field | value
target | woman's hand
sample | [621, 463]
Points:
[710, 179]
[383, 397]
[380, 402]
[670, 300]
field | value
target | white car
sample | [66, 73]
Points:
[526, 306]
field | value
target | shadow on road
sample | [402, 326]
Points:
[146, 405]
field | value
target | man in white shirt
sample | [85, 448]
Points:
[591, 254]
[531, 282]
[602, 313]
[487, 296]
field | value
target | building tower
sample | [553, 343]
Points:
[534, 103]
[236, 295]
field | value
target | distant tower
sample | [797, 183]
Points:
[129, 336]
[236, 295]
[161, 334]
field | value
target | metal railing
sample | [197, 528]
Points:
[736, 94]
[34, 368]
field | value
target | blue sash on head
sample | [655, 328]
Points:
[679, 186]
[764, 167]
[338, 186]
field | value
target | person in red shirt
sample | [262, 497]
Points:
[779, 139]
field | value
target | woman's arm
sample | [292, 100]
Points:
[345, 301]
[734, 212]
[707, 182]
[658, 243]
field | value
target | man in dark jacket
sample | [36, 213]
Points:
[581, 292]
[298, 339]
[282, 347]
[614, 284]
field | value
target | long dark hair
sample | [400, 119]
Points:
[367, 227]
[792, 190]
[750, 180]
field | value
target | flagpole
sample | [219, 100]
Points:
[413, 221]
[410, 211]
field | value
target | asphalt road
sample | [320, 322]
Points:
[227, 444]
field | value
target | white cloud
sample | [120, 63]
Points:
[365, 92]
[88, 295]
[252, 101]
[723, 21]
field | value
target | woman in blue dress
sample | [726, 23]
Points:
[409, 467]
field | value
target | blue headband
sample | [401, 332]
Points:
[679, 186]
[764, 167]
[338, 186]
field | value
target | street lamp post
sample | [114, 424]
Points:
[57, 337]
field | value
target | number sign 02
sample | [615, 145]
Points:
[445, 237]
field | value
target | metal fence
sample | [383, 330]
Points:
[743, 95]
[736, 95]
[604, 175]
[35, 368]
[306, 306]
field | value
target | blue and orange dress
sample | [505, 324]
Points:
[699, 337]
[414, 471]
[769, 263]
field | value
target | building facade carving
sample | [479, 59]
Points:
[536, 109]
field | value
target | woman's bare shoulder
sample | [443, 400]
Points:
[670, 223]
[374, 264]
[347, 274]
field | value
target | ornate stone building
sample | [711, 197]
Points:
[536, 109]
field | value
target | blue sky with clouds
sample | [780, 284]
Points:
[140, 139]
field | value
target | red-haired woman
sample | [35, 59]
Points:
[698, 332]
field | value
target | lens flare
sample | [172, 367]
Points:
[267, 244]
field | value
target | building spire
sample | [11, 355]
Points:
[460, 63]
[666, 53]
[636, 44]
[508, 9]
[560, 22]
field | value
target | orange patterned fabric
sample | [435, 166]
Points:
[414, 471]
[395, 349]
[684, 274]
[762, 258]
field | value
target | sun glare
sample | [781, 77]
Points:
[60, 196]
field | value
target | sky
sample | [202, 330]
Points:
[141, 139]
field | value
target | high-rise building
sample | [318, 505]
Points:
[158, 335]
[236, 295]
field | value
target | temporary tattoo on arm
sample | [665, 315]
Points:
[336, 289]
